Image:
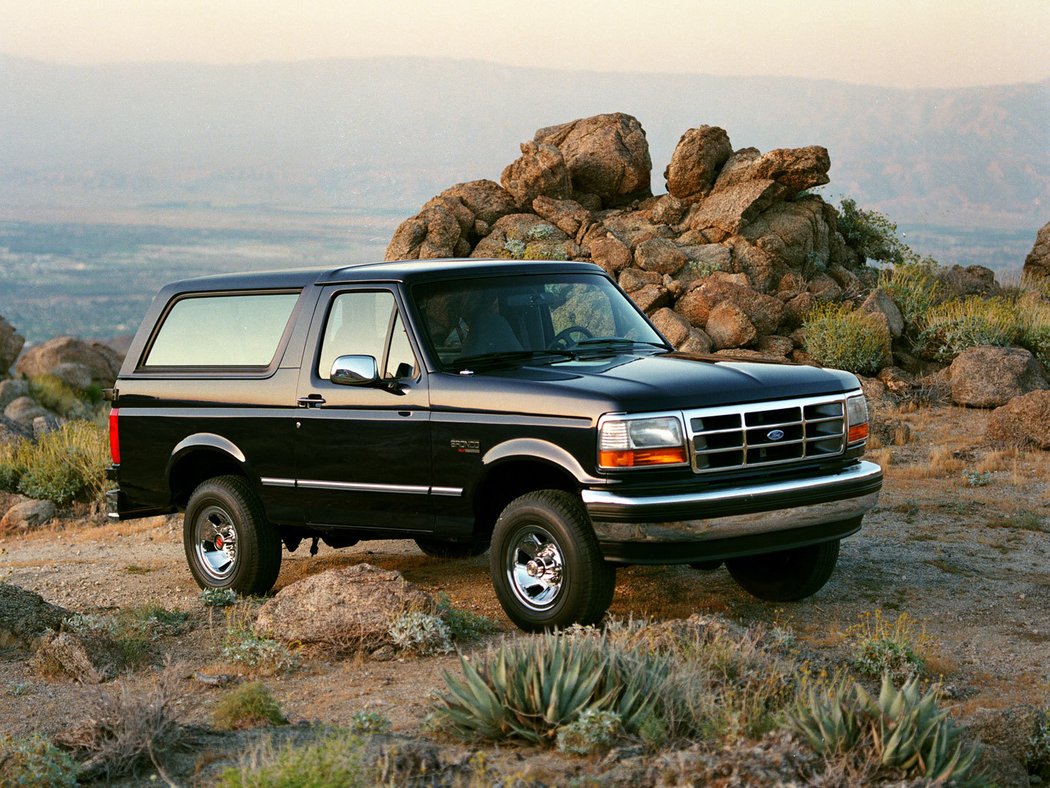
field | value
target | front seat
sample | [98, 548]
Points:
[490, 333]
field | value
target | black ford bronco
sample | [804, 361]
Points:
[525, 408]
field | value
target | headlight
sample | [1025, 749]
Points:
[856, 419]
[639, 442]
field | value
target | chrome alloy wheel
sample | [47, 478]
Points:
[534, 567]
[215, 543]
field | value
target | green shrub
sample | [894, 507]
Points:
[250, 705]
[243, 646]
[420, 633]
[903, 729]
[65, 465]
[1034, 328]
[34, 761]
[338, 759]
[218, 597]
[882, 647]
[57, 396]
[954, 326]
[839, 337]
[915, 289]
[871, 234]
[463, 625]
[369, 723]
[593, 731]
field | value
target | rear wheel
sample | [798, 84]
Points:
[228, 542]
[546, 566]
[786, 576]
[440, 548]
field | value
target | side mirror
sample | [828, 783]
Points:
[355, 371]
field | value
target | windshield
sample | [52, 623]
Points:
[516, 319]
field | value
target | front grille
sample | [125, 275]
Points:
[767, 433]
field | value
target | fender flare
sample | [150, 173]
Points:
[535, 449]
[210, 442]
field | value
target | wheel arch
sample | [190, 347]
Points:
[203, 456]
[510, 476]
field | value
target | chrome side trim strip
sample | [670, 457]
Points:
[451, 492]
[270, 481]
[402, 489]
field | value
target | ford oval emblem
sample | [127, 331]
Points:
[775, 435]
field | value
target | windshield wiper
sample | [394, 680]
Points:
[507, 358]
[614, 343]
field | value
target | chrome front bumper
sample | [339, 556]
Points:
[845, 495]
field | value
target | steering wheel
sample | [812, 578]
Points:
[563, 339]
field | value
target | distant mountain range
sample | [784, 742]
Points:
[385, 134]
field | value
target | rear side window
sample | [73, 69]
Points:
[242, 330]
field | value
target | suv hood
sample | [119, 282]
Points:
[638, 383]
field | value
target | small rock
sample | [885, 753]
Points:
[25, 617]
[23, 410]
[1023, 421]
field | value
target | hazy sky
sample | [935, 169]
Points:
[923, 43]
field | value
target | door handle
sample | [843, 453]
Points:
[312, 401]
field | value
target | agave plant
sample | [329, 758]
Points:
[910, 733]
[526, 690]
[827, 719]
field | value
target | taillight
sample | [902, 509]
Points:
[114, 436]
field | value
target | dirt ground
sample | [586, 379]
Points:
[960, 542]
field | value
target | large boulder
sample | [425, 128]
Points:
[539, 170]
[794, 169]
[1037, 264]
[100, 362]
[729, 327]
[12, 389]
[10, 346]
[26, 515]
[794, 233]
[343, 609]
[723, 213]
[764, 312]
[696, 162]
[607, 156]
[1023, 421]
[660, 255]
[525, 236]
[987, 377]
[971, 280]
[24, 411]
[879, 301]
[567, 215]
[25, 617]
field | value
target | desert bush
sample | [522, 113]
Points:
[903, 728]
[132, 629]
[263, 655]
[217, 597]
[125, 729]
[881, 647]
[338, 759]
[65, 465]
[34, 761]
[870, 233]
[420, 633]
[463, 625]
[369, 723]
[592, 732]
[915, 289]
[954, 326]
[1034, 328]
[839, 337]
[57, 396]
[250, 705]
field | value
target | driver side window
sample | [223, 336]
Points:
[367, 324]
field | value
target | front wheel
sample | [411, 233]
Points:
[786, 576]
[546, 566]
[228, 542]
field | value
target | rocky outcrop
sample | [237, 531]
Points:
[1023, 421]
[10, 346]
[734, 227]
[25, 617]
[1037, 264]
[87, 658]
[343, 609]
[73, 361]
[987, 377]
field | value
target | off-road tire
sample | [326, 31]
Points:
[786, 576]
[218, 505]
[587, 582]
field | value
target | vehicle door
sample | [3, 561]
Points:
[363, 449]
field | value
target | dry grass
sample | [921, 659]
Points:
[942, 463]
[126, 728]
